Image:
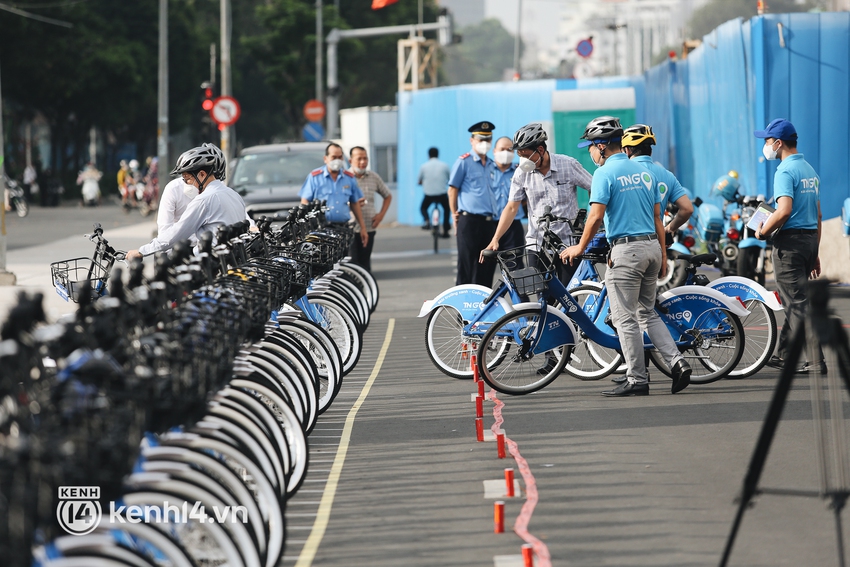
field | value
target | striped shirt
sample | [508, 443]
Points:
[370, 183]
[556, 189]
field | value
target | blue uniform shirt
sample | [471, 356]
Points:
[629, 193]
[320, 186]
[668, 186]
[500, 182]
[797, 179]
[472, 178]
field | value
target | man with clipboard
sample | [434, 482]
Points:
[795, 227]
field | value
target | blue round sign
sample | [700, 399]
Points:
[584, 48]
[313, 132]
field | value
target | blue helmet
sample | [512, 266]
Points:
[727, 186]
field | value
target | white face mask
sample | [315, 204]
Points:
[482, 148]
[190, 190]
[335, 165]
[769, 152]
[504, 157]
[527, 165]
[358, 171]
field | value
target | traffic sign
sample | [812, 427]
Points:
[314, 110]
[313, 132]
[225, 111]
[584, 48]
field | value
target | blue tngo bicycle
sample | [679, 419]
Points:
[536, 339]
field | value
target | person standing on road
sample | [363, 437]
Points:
[473, 206]
[543, 179]
[796, 230]
[370, 183]
[501, 176]
[637, 145]
[434, 179]
[626, 196]
[216, 204]
[338, 186]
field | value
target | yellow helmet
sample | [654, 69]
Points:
[637, 134]
[733, 173]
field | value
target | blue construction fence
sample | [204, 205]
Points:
[703, 108]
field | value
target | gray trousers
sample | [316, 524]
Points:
[632, 287]
[794, 258]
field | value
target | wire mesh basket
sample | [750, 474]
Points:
[527, 268]
[69, 277]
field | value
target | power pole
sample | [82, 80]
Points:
[319, 35]
[517, 72]
[225, 73]
[162, 131]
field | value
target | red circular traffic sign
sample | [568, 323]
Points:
[314, 110]
[225, 111]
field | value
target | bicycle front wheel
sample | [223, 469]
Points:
[716, 343]
[522, 366]
[450, 350]
[760, 339]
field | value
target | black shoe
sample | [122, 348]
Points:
[445, 235]
[619, 378]
[775, 362]
[426, 227]
[628, 389]
[812, 367]
[681, 376]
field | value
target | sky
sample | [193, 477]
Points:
[539, 17]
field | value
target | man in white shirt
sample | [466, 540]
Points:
[215, 205]
[175, 198]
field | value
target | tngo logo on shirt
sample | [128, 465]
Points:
[636, 179]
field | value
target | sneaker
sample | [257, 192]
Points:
[807, 367]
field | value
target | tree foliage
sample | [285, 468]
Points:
[716, 12]
[486, 51]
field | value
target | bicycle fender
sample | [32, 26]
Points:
[736, 286]
[695, 299]
[679, 247]
[559, 328]
[467, 300]
[751, 242]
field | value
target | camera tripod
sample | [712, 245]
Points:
[824, 329]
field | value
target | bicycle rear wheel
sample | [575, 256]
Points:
[717, 344]
[588, 360]
[760, 335]
[524, 366]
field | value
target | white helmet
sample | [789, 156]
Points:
[134, 164]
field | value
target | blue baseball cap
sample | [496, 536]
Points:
[779, 129]
[585, 143]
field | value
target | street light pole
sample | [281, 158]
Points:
[517, 72]
[6, 278]
[319, 38]
[225, 73]
[162, 130]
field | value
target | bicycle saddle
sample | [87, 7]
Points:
[696, 260]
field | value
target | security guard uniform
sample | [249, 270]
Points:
[476, 207]
[339, 194]
[500, 181]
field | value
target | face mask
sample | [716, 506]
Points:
[504, 157]
[769, 152]
[358, 171]
[335, 165]
[527, 165]
[482, 148]
[190, 190]
[601, 159]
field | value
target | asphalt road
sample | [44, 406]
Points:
[645, 481]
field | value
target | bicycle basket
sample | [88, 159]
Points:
[527, 268]
[69, 277]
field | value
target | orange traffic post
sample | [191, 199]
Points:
[500, 444]
[479, 406]
[479, 428]
[509, 483]
[464, 353]
[527, 555]
[481, 387]
[499, 517]
[475, 377]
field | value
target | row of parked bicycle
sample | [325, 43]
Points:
[166, 422]
[531, 327]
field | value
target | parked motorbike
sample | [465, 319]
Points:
[17, 199]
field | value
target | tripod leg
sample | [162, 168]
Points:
[771, 421]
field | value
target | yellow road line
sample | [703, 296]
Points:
[308, 553]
